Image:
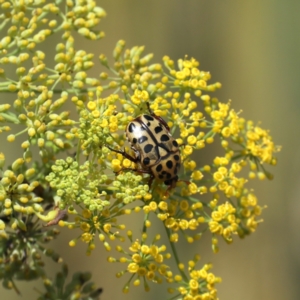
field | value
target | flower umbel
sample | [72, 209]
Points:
[144, 261]
[137, 138]
[200, 284]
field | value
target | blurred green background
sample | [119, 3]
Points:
[252, 48]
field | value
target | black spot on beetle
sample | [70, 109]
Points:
[169, 176]
[131, 127]
[159, 168]
[158, 129]
[175, 144]
[146, 161]
[148, 148]
[169, 164]
[142, 139]
[149, 118]
[134, 140]
[171, 180]
[164, 138]
[176, 157]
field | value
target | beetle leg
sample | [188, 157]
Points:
[158, 118]
[137, 154]
[172, 184]
[185, 181]
[150, 180]
[125, 154]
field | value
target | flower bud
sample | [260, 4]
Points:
[17, 164]
[25, 145]
[30, 172]
[59, 143]
[31, 132]
[84, 31]
[50, 135]
[11, 138]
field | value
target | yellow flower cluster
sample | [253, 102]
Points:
[223, 221]
[189, 75]
[98, 122]
[104, 171]
[144, 262]
[249, 212]
[16, 194]
[132, 70]
[259, 144]
[92, 223]
[201, 283]
[226, 179]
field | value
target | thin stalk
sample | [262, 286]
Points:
[176, 256]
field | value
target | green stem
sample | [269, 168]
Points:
[21, 132]
[78, 152]
[209, 134]
[55, 83]
[15, 287]
[145, 219]
[176, 256]
[58, 28]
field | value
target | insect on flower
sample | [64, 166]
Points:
[156, 151]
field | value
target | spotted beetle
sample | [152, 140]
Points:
[155, 149]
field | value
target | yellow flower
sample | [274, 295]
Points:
[193, 284]
[133, 268]
[218, 176]
[86, 237]
[85, 226]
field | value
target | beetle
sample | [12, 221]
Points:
[156, 151]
